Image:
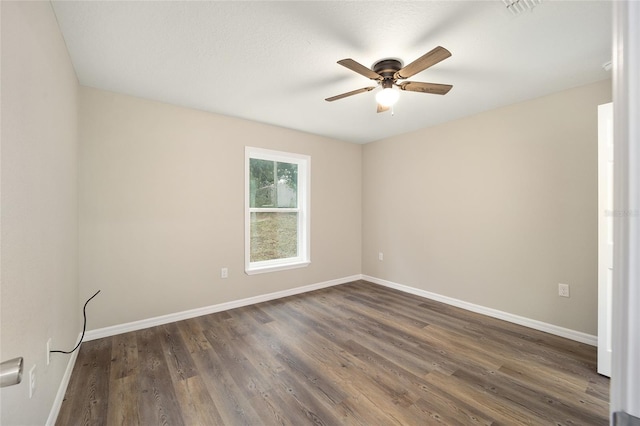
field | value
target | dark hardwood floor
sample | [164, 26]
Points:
[357, 353]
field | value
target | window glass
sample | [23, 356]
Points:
[273, 236]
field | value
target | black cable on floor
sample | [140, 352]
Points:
[84, 314]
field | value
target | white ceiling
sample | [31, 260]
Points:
[275, 62]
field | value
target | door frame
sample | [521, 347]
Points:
[625, 372]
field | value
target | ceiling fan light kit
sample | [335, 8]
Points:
[387, 72]
[388, 96]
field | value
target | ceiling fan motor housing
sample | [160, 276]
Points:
[387, 68]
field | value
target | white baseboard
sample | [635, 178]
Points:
[192, 313]
[62, 389]
[516, 319]
[494, 313]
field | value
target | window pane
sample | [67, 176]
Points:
[273, 184]
[262, 189]
[273, 236]
[287, 187]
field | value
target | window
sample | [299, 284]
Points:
[276, 210]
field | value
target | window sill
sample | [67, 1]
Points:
[273, 268]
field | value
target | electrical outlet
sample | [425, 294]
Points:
[224, 273]
[32, 381]
[49, 351]
[563, 290]
[380, 256]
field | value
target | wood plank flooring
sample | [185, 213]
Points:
[354, 354]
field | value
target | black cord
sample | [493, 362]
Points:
[84, 314]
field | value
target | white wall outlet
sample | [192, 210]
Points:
[224, 273]
[49, 351]
[380, 256]
[563, 290]
[32, 381]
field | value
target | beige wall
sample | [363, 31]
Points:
[39, 225]
[494, 209]
[161, 207]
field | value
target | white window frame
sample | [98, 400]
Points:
[304, 223]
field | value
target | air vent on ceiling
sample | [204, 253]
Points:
[519, 6]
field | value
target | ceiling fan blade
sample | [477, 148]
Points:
[422, 63]
[360, 69]
[382, 108]
[353, 92]
[433, 88]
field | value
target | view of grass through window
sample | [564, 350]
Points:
[274, 219]
[273, 236]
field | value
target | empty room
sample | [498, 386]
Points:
[319, 212]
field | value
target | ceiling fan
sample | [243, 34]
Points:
[387, 72]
